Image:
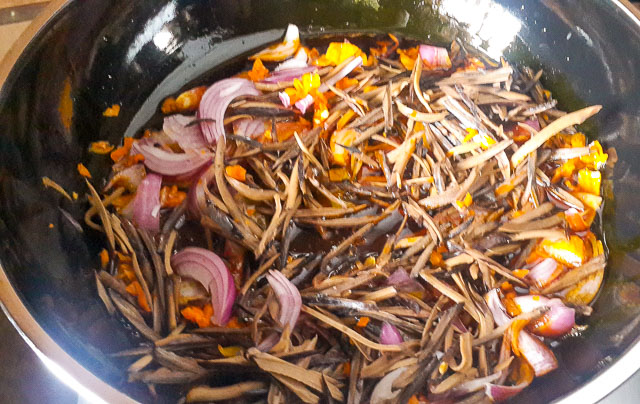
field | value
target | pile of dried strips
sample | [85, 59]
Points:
[402, 225]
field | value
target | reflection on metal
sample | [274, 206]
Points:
[490, 25]
[165, 41]
[84, 394]
[153, 27]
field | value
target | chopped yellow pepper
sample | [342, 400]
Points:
[590, 181]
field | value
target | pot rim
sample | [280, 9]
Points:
[57, 360]
[91, 387]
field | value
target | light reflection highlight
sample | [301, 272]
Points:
[490, 25]
[153, 28]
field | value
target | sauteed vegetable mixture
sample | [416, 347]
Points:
[395, 224]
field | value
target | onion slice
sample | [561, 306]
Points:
[498, 310]
[249, 127]
[287, 75]
[348, 68]
[169, 163]
[434, 57]
[146, 205]
[297, 62]
[288, 297]
[383, 392]
[558, 321]
[402, 281]
[499, 393]
[541, 274]
[537, 354]
[187, 136]
[207, 268]
[284, 49]
[215, 102]
[304, 103]
[389, 335]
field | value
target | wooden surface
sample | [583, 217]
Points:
[15, 16]
[18, 3]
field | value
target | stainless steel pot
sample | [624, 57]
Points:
[80, 57]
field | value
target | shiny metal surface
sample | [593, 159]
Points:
[136, 53]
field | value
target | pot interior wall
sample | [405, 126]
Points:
[95, 54]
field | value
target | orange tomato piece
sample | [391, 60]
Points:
[590, 181]
[83, 171]
[236, 172]
[104, 258]
[112, 111]
[285, 130]
[408, 57]
[100, 147]
[170, 196]
[197, 315]
[135, 289]
[123, 150]
[362, 322]
[569, 252]
[258, 71]
[340, 138]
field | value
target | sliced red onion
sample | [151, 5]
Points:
[169, 163]
[304, 103]
[383, 392]
[399, 277]
[285, 99]
[529, 303]
[498, 310]
[214, 104]
[541, 273]
[288, 297]
[268, 342]
[558, 321]
[389, 335]
[286, 75]
[186, 136]
[249, 127]
[284, 49]
[499, 393]
[207, 268]
[146, 205]
[348, 68]
[537, 354]
[299, 61]
[188, 177]
[402, 281]
[130, 178]
[533, 123]
[434, 56]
